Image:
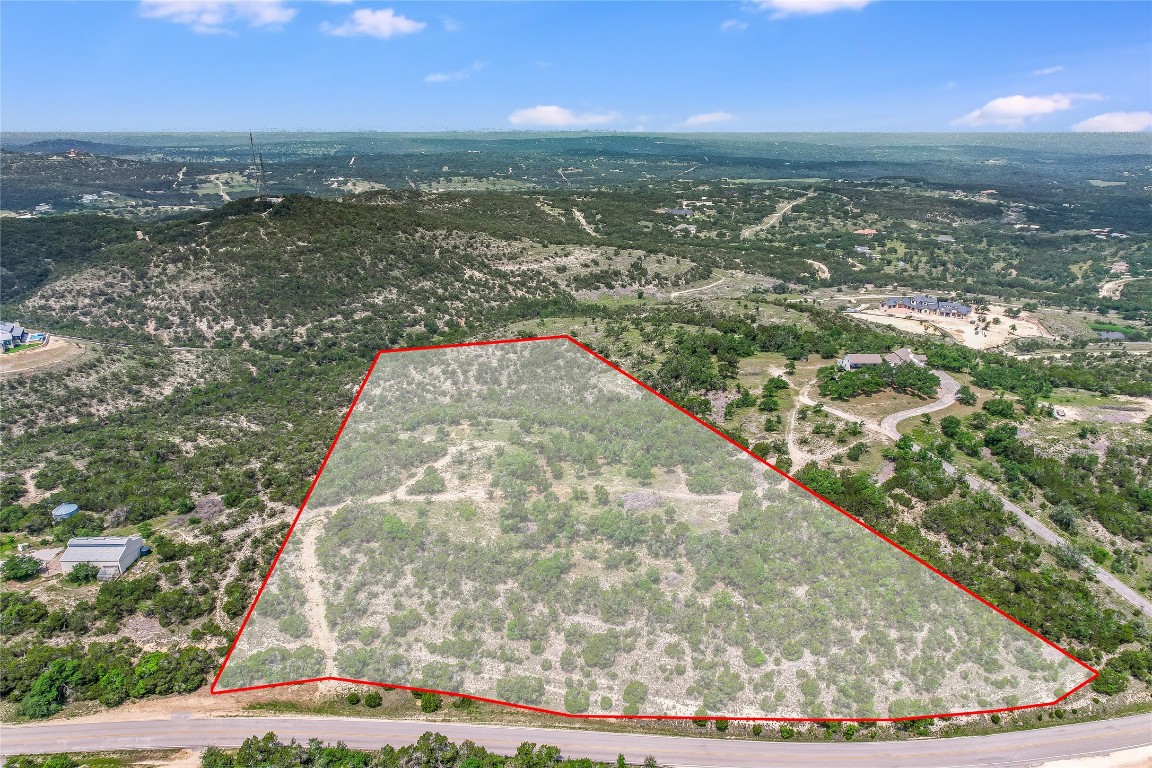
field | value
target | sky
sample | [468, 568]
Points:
[763, 65]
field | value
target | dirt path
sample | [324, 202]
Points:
[674, 294]
[474, 493]
[821, 269]
[772, 219]
[799, 455]
[56, 351]
[315, 608]
[1113, 288]
[223, 194]
[179, 177]
[583, 223]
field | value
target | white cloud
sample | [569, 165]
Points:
[459, 74]
[1015, 111]
[560, 117]
[383, 23]
[733, 25]
[708, 118]
[782, 8]
[1116, 122]
[1048, 70]
[215, 16]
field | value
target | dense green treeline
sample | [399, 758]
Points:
[42, 678]
[39, 250]
[430, 751]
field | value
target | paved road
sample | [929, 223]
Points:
[1022, 748]
[948, 388]
[1047, 534]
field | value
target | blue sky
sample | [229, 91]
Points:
[776, 65]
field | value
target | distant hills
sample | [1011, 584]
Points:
[58, 146]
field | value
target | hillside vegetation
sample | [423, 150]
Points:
[232, 340]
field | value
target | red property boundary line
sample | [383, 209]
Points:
[215, 691]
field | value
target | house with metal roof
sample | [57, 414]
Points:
[905, 355]
[851, 362]
[113, 555]
[64, 511]
[929, 304]
[12, 334]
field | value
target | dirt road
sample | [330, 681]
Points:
[674, 294]
[821, 269]
[584, 223]
[1112, 289]
[57, 350]
[773, 219]
[1007, 750]
[316, 605]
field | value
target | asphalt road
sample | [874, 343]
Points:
[948, 389]
[1047, 534]
[1021, 748]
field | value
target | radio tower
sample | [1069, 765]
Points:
[257, 168]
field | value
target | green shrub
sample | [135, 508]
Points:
[430, 702]
[20, 568]
[82, 573]
[520, 689]
[1110, 682]
[373, 700]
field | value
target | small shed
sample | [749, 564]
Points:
[113, 555]
[64, 511]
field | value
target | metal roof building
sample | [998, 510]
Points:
[113, 555]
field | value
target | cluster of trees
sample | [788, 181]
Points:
[1115, 490]
[431, 750]
[839, 384]
[40, 678]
